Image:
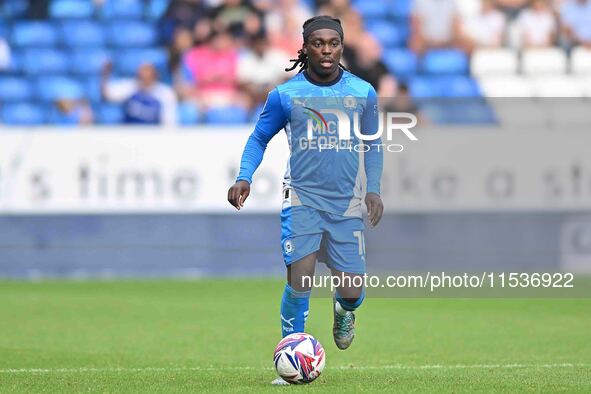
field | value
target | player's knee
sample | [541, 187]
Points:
[351, 303]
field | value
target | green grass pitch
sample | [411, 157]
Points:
[219, 335]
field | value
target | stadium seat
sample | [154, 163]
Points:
[109, 114]
[88, 61]
[188, 114]
[22, 114]
[92, 89]
[494, 62]
[33, 34]
[13, 9]
[401, 8]
[132, 33]
[128, 61]
[122, 9]
[444, 61]
[444, 86]
[82, 34]
[506, 86]
[372, 9]
[156, 9]
[557, 86]
[389, 34]
[226, 115]
[15, 64]
[45, 61]
[71, 9]
[458, 111]
[401, 62]
[581, 61]
[15, 89]
[58, 87]
[543, 61]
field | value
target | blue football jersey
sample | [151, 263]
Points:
[329, 167]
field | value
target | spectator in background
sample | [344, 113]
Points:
[485, 29]
[72, 111]
[434, 24]
[182, 42]
[511, 8]
[145, 100]
[210, 72]
[284, 25]
[261, 68]
[576, 22]
[537, 25]
[188, 14]
[365, 61]
[239, 17]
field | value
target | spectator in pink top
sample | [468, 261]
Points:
[210, 72]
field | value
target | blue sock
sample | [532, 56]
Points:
[294, 310]
[347, 305]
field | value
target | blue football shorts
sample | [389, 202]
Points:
[338, 239]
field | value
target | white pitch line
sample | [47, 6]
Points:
[342, 367]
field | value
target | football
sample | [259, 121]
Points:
[299, 358]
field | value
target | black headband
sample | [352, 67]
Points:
[322, 24]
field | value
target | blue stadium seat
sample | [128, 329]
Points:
[33, 34]
[445, 61]
[13, 9]
[109, 114]
[58, 87]
[156, 9]
[188, 114]
[92, 89]
[401, 62]
[372, 9]
[15, 65]
[401, 8]
[132, 33]
[123, 9]
[128, 61]
[444, 86]
[88, 61]
[22, 114]
[82, 34]
[44, 61]
[389, 34]
[458, 111]
[226, 115]
[71, 9]
[15, 89]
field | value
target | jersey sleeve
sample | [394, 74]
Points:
[270, 122]
[374, 157]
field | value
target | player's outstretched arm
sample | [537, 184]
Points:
[238, 193]
[375, 208]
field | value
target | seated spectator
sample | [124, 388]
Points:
[365, 61]
[576, 22]
[485, 29]
[434, 24]
[537, 25]
[188, 14]
[182, 42]
[511, 8]
[239, 17]
[70, 111]
[261, 68]
[210, 72]
[145, 100]
[284, 25]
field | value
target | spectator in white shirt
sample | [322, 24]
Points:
[434, 24]
[145, 100]
[537, 25]
[485, 29]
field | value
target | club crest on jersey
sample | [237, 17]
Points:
[288, 247]
[349, 102]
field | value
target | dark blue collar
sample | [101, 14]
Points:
[329, 83]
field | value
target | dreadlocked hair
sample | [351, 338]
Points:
[302, 60]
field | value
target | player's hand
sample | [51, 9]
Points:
[375, 208]
[238, 193]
